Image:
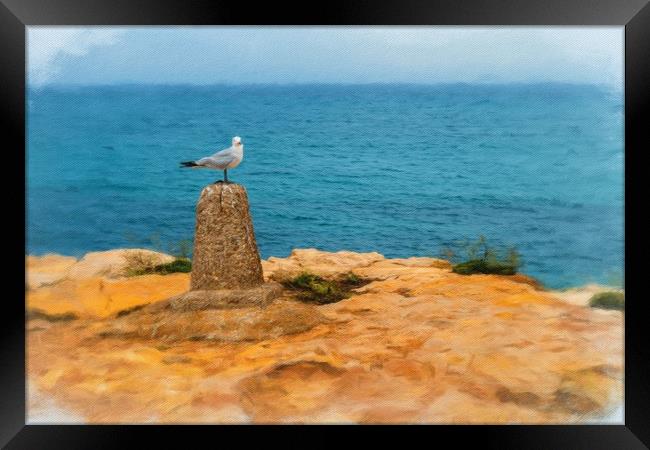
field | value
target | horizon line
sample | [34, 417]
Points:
[323, 83]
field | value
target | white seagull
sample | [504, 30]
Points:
[223, 160]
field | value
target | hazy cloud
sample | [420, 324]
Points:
[48, 46]
[203, 55]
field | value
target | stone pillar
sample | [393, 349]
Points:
[225, 251]
[226, 266]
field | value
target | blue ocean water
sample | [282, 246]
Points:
[405, 170]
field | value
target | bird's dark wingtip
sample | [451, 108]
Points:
[188, 164]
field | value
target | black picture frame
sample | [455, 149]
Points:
[15, 15]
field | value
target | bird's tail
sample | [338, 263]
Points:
[188, 164]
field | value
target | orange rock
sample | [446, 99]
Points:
[47, 269]
[51, 268]
[102, 297]
[318, 262]
[419, 344]
[113, 263]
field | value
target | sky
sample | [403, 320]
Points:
[242, 55]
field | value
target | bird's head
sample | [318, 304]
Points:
[236, 141]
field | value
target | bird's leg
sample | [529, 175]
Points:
[225, 175]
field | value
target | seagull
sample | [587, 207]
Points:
[223, 160]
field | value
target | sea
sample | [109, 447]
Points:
[404, 170]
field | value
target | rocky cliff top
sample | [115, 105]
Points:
[417, 344]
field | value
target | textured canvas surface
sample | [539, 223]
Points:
[438, 212]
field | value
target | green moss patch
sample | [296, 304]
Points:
[485, 266]
[315, 289]
[608, 300]
[180, 265]
[485, 259]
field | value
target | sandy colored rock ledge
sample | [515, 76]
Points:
[100, 297]
[220, 299]
[50, 269]
[318, 262]
[419, 344]
[221, 325]
[46, 270]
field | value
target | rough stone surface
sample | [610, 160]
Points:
[318, 262]
[50, 269]
[99, 297]
[221, 298]
[47, 269]
[241, 324]
[225, 251]
[419, 344]
[114, 263]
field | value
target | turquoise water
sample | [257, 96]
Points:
[399, 169]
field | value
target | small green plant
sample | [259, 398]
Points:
[608, 300]
[176, 266]
[138, 262]
[486, 267]
[352, 279]
[303, 281]
[481, 258]
[143, 263]
[182, 249]
[315, 289]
